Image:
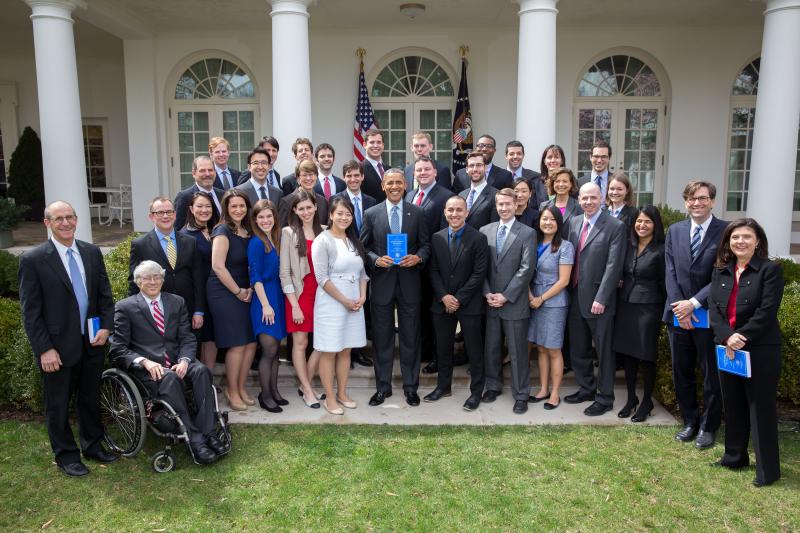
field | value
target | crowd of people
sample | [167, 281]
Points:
[509, 261]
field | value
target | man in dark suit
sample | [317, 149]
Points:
[62, 283]
[327, 184]
[459, 260]
[512, 263]
[257, 187]
[303, 150]
[599, 241]
[226, 177]
[395, 286]
[430, 197]
[600, 159]
[307, 177]
[421, 146]
[690, 251]
[479, 195]
[497, 177]
[271, 145]
[153, 341]
[204, 175]
[373, 165]
[515, 154]
[177, 254]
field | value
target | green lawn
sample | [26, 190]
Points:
[365, 478]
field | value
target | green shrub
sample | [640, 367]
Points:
[26, 175]
[789, 318]
[669, 215]
[117, 264]
[791, 270]
[9, 266]
[20, 381]
[11, 213]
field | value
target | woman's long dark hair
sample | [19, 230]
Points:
[191, 221]
[653, 214]
[225, 217]
[301, 195]
[724, 253]
[350, 232]
[543, 167]
[555, 244]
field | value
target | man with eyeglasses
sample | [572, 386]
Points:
[690, 251]
[497, 177]
[204, 175]
[271, 145]
[600, 159]
[303, 150]
[63, 285]
[257, 187]
[177, 254]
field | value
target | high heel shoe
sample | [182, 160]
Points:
[234, 405]
[248, 400]
[263, 404]
[280, 401]
[645, 410]
[630, 406]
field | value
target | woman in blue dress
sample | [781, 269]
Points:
[267, 309]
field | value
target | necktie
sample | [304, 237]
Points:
[357, 209]
[581, 243]
[501, 239]
[380, 169]
[227, 185]
[394, 223]
[326, 188]
[420, 196]
[78, 288]
[158, 316]
[470, 199]
[695, 244]
[453, 246]
[263, 191]
[273, 180]
[172, 253]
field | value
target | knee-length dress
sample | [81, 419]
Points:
[305, 300]
[231, 315]
[204, 249]
[336, 328]
[264, 268]
[547, 323]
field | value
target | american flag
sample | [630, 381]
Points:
[365, 119]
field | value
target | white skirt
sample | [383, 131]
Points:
[336, 328]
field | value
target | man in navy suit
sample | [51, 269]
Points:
[373, 165]
[327, 184]
[271, 145]
[303, 150]
[204, 175]
[497, 177]
[690, 251]
[515, 154]
[479, 195]
[421, 146]
[220, 151]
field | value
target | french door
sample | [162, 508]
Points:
[399, 121]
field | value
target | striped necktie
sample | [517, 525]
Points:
[172, 253]
[694, 246]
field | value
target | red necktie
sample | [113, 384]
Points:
[326, 188]
[380, 169]
[420, 196]
[159, 318]
[581, 243]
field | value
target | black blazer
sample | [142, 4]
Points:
[50, 312]
[573, 209]
[186, 279]
[687, 278]
[538, 188]
[483, 209]
[499, 178]
[135, 333]
[338, 186]
[286, 202]
[372, 182]
[184, 198]
[383, 281]
[289, 184]
[757, 303]
[529, 217]
[235, 174]
[367, 201]
[643, 275]
[433, 207]
[628, 217]
[443, 176]
[461, 276]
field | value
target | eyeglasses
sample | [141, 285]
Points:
[698, 199]
[484, 145]
[153, 278]
[165, 213]
[60, 220]
[599, 157]
[259, 163]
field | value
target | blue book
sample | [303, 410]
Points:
[739, 365]
[93, 326]
[700, 314]
[396, 246]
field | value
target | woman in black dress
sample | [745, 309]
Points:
[525, 212]
[228, 293]
[639, 307]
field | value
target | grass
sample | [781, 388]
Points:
[381, 478]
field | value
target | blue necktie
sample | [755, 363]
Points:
[501, 239]
[273, 180]
[78, 288]
[470, 199]
[394, 223]
[357, 209]
[694, 246]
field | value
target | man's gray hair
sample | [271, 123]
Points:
[147, 268]
[198, 159]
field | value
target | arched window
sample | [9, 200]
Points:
[413, 91]
[620, 99]
[214, 77]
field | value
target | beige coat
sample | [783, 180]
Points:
[293, 267]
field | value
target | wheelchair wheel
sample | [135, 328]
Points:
[163, 461]
[122, 413]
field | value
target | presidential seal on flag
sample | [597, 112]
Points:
[462, 129]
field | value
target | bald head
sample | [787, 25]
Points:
[589, 198]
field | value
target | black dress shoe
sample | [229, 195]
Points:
[437, 394]
[686, 434]
[378, 398]
[758, 483]
[203, 454]
[597, 409]
[705, 439]
[263, 404]
[431, 368]
[491, 395]
[412, 399]
[215, 444]
[630, 406]
[719, 464]
[472, 402]
[77, 469]
[102, 456]
[520, 407]
[577, 397]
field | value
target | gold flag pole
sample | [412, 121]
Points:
[360, 52]
[463, 50]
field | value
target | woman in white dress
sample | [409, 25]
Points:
[338, 258]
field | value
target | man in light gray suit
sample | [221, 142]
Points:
[512, 253]
[599, 240]
[256, 187]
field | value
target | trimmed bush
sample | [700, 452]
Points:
[20, 379]
[9, 267]
[791, 270]
[117, 264]
[26, 175]
[789, 318]
[669, 216]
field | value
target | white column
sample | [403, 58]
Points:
[291, 73]
[772, 166]
[60, 108]
[536, 75]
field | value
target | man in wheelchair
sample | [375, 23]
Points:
[154, 342]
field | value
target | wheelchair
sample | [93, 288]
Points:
[127, 410]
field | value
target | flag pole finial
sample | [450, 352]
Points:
[463, 50]
[360, 52]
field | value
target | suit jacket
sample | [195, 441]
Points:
[338, 186]
[529, 217]
[383, 281]
[510, 273]
[50, 311]
[186, 279]
[483, 209]
[572, 210]
[135, 333]
[538, 189]
[687, 278]
[289, 184]
[286, 202]
[275, 195]
[234, 178]
[433, 207]
[628, 217]
[372, 182]
[599, 263]
[367, 201]
[499, 178]
[245, 175]
[643, 275]
[443, 176]
[184, 198]
[461, 276]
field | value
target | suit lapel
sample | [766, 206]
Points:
[510, 238]
[598, 227]
[84, 251]
[711, 236]
[54, 260]
[482, 198]
[144, 308]
[461, 243]
[155, 245]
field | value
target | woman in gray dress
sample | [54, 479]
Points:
[549, 303]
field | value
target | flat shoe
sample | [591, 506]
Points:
[536, 399]
[337, 411]
[550, 406]
[248, 400]
[347, 403]
[313, 405]
[300, 393]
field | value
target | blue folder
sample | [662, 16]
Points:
[396, 246]
[700, 314]
[739, 365]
